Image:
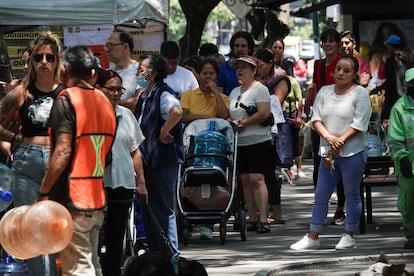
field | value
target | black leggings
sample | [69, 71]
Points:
[113, 230]
[273, 183]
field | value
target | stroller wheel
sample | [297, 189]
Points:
[184, 237]
[184, 231]
[243, 224]
[223, 232]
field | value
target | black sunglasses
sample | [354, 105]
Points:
[39, 57]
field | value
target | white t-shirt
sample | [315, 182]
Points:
[339, 112]
[276, 109]
[255, 133]
[121, 173]
[129, 79]
[181, 80]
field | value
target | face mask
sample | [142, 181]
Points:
[142, 81]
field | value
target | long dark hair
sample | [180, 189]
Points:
[266, 55]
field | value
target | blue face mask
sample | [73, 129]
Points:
[142, 81]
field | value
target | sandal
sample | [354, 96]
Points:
[263, 227]
[273, 220]
[251, 226]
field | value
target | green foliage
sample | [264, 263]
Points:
[177, 22]
[303, 30]
[221, 14]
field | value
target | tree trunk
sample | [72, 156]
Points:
[196, 13]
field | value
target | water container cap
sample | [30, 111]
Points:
[212, 125]
[6, 195]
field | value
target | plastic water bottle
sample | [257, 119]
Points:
[5, 198]
[210, 141]
[12, 267]
[6, 184]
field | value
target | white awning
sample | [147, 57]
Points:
[77, 12]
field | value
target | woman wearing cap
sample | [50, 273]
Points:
[399, 132]
[394, 76]
[254, 141]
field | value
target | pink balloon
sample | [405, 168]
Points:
[48, 226]
[11, 234]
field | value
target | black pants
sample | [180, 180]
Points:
[273, 183]
[340, 193]
[119, 201]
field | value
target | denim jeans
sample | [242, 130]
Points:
[161, 186]
[350, 170]
[29, 165]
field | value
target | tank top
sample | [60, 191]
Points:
[34, 113]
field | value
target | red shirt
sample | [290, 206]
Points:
[328, 77]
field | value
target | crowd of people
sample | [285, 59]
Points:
[131, 117]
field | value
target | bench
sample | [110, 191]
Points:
[379, 171]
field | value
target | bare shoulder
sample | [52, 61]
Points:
[12, 100]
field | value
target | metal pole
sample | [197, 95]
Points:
[315, 25]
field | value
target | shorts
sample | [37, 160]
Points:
[255, 158]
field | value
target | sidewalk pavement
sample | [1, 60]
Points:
[269, 254]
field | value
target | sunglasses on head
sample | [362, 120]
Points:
[39, 57]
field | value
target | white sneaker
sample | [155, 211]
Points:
[306, 243]
[346, 242]
[301, 175]
[206, 233]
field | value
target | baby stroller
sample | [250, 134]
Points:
[209, 169]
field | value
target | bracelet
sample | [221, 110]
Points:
[43, 194]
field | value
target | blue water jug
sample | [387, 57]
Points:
[210, 141]
[12, 267]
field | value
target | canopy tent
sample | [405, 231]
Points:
[77, 12]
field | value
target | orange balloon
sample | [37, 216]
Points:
[11, 234]
[48, 226]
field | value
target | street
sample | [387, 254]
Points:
[261, 254]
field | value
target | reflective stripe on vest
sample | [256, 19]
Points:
[95, 131]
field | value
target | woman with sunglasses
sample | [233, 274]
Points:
[123, 177]
[33, 100]
[254, 158]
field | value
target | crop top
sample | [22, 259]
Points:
[34, 113]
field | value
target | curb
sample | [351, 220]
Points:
[332, 261]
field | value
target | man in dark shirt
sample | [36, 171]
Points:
[82, 123]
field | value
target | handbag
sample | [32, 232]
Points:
[270, 121]
[290, 117]
[284, 148]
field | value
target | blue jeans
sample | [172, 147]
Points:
[29, 165]
[350, 170]
[161, 186]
